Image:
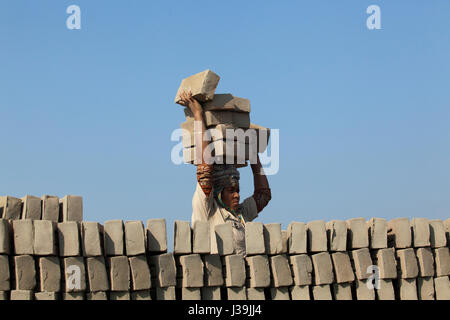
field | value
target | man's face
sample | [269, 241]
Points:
[230, 196]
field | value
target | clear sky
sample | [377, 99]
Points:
[363, 114]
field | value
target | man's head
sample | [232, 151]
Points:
[226, 184]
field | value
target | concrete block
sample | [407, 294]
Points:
[302, 269]
[72, 208]
[254, 238]
[50, 208]
[342, 291]
[74, 274]
[420, 228]
[192, 268]
[5, 276]
[99, 295]
[362, 290]
[165, 269]
[22, 295]
[407, 289]
[358, 234]
[281, 293]
[231, 118]
[119, 295]
[442, 259]
[119, 273]
[399, 233]
[437, 234]
[337, 235]
[273, 239]
[317, 236]
[156, 236]
[322, 292]
[165, 293]
[134, 238]
[32, 208]
[297, 238]
[68, 238]
[323, 268]
[201, 237]
[140, 273]
[361, 261]
[202, 85]
[91, 239]
[114, 238]
[377, 228]
[442, 287]
[10, 208]
[255, 294]
[284, 242]
[385, 290]
[49, 274]
[46, 296]
[425, 288]
[281, 272]
[426, 262]
[447, 229]
[213, 270]
[259, 271]
[342, 267]
[408, 263]
[386, 262]
[141, 295]
[4, 295]
[191, 293]
[23, 232]
[25, 272]
[237, 293]
[5, 237]
[299, 293]
[97, 275]
[227, 102]
[211, 293]
[224, 239]
[182, 237]
[44, 237]
[77, 296]
[234, 271]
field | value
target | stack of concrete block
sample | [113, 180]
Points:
[222, 113]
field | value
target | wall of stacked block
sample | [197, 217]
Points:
[48, 253]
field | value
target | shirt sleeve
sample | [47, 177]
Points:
[202, 205]
[248, 209]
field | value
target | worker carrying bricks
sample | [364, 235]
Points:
[216, 198]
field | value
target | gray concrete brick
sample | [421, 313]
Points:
[192, 268]
[358, 234]
[317, 236]
[362, 291]
[227, 102]
[342, 291]
[442, 260]
[259, 271]
[237, 293]
[407, 262]
[342, 267]
[119, 273]
[165, 270]
[74, 274]
[285, 241]
[191, 293]
[234, 270]
[302, 269]
[156, 236]
[281, 272]
[361, 260]
[49, 274]
[211, 293]
[447, 229]
[5, 276]
[442, 287]
[73, 296]
[10, 208]
[32, 208]
[99, 295]
[97, 275]
[386, 262]
[4, 295]
[165, 293]
[214, 118]
[420, 232]
[201, 238]
[425, 288]
[255, 294]
[21, 295]
[273, 239]
[337, 235]
[377, 228]
[254, 238]
[323, 268]
[114, 238]
[182, 242]
[224, 240]
[46, 296]
[407, 289]
[119, 295]
[299, 293]
[202, 86]
[297, 239]
[426, 262]
[25, 272]
[322, 292]
[23, 232]
[44, 237]
[5, 237]
[140, 273]
[399, 233]
[437, 234]
[91, 239]
[281, 293]
[385, 290]
[134, 238]
[50, 208]
[68, 238]
[72, 208]
[213, 270]
[141, 295]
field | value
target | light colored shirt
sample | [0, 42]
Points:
[207, 209]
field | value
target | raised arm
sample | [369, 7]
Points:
[262, 194]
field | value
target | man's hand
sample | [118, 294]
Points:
[188, 101]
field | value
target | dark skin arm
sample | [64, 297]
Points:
[262, 194]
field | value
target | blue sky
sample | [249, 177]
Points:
[363, 114]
